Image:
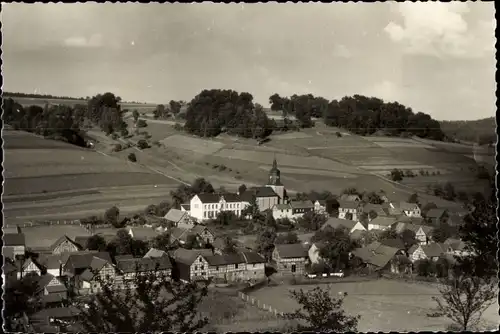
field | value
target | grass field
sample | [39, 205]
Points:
[384, 305]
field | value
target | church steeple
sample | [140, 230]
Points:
[275, 164]
[274, 174]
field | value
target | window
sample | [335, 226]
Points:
[254, 265]
[201, 260]
[294, 268]
[196, 206]
[236, 266]
[204, 214]
[217, 268]
[195, 267]
[201, 267]
[203, 273]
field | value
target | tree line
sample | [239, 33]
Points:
[42, 96]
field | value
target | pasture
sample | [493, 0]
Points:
[384, 305]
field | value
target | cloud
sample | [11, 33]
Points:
[94, 41]
[440, 29]
[341, 51]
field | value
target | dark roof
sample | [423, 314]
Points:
[302, 204]
[349, 204]
[383, 221]
[198, 229]
[291, 251]
[258, 192]
[282, 206]
[395, 243]
[412, 220]
[188, 256]
[405, 206]
[376, 254]
[253, 257]
[186, 207]
[55, 297]
[224, 259]
[14, 239]
[175, 215]
[154, 253]
[215, 198]
[434, 249]
[84, 261]
[337, 222]
[349, 198]
[123, 257]
[56, 288]
[435, 213]
[57, 312]
[378, 208]
[143, 233]
[144, 264]
[178, 233]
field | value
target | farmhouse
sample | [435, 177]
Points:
[128, 268]
[348, 224]
[282, 211]
[410, 209]
[191, 264]
[350, 208]
[299, 208]
[64, 244]
[13, 245]
[435, 216]
[29, 266]
[423, 233]
[179, 218]
[52, 290]
[204, 233]
[378, 209]
[381, 223]
[456, 247]
[423, 252]
[82, 270]
[377, 257]
[290, 259]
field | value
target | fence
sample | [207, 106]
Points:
[254, 301]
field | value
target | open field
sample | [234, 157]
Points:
[28, 101]
[384, 305]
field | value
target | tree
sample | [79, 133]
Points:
[20, 297]
[449, 191]
[372, 197]
[142, 144]
[200, 186]
[321, 312]
[413, 198]
[350, 191]
[442, 232]
[389, 233]
[464, 299]
[225, 218]
[192, 242]
[131, 157]
[135, 114]
[163, 208]
[396, 175]
[288, 238]
[332, 206]
[96, 242]
[242, 189]
[427, 207]
[265, 242]
[162, 242]
[311, 221]
[336, 247]
[252, 209]
[229, 245]
[151, 210]
[123, 243]
[425, 267]
[149, 302]
[111, 216]
[409, 238]
[175, 106]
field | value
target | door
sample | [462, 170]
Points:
[294, 268]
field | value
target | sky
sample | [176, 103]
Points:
[437, 58]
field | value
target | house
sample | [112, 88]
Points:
[14, 244]
[421, 252]
[320, 206]
[52, 289]
[410, 209]
[393, 242]
[299, 208]
[350, 198]
[64, 244]
[282, 211]
[186, 208]
[377, 257]
[349, 224]
[423, 233]
[265, 197]
[353, 208]
[255, 265]
[456, 247]
[226, 267]
[29, 266]
[204, 233]
[377, 208]
[207, 206]
[191, 264]
[435, 216]
[290, 259]
[143, 233]
[381, 223]
[128, 268]
[179, 235]
[154, 253]
[83, 269]
[53, 263]
[179, 218]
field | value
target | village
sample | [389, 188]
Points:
[393, 237]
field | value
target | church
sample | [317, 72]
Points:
[207, 206]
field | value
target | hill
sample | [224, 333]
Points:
[481, 131]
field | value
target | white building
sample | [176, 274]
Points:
[350, 207]
[409, 209]
[282, 211]
[208, 206]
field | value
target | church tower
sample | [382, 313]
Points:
[274, 181]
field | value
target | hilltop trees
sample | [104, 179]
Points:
[184, 192]
[215, 111]
[104, 110]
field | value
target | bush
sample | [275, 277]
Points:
[157, 143]
[117, 148]
[132, 157]
[425, 267]
[114, 136]
[141, 123]
[222, 168]
[338, 134]
[396, 175]
[142, 144]
[178, 127]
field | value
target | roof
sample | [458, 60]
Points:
[252, 257]
[62, 239]
[122, 257]
[282, 206]
[198, 229]
[143, 233]
[376, 254]
[188, 256]
[383, 221]
[435, 213]
[395, 243]
[301, 204]
[405, 206]
[56, 288]
[455, 244]
[215, 198]
[291, 251]
[186, 207]
[378, 208]
[53, 261]
[57, 312]
[412, 220]
[400, 227]
[349, 198]
[225, 259]
[153, 252]
[144, 264]
[337, 222]
[259, 192]
[175, 215]
[178, 233]
[434, 249]
[349, 204]
[14, 239]
[357, 234]
[11, 229]
[83, 261]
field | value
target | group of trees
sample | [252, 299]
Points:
[215, 111]
[105, 111]
[173, 108]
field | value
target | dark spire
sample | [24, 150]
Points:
[275, 164]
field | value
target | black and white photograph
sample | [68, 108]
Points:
[249, 167]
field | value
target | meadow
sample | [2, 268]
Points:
[384, 305]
